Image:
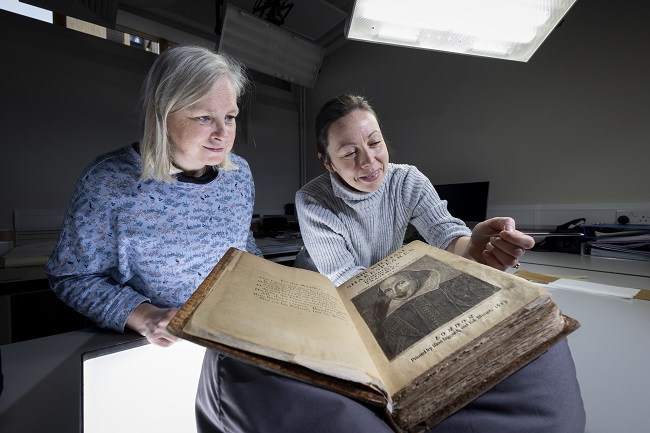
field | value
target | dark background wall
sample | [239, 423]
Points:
[569, 128]
[67, 97]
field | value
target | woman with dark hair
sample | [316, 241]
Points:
[358, 212]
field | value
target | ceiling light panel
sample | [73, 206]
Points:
[506, 29]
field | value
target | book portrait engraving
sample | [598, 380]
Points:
[417, 300]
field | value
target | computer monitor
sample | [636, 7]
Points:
[466, 201]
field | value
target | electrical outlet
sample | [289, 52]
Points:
[637, 216]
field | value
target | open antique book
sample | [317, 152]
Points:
[421, 333]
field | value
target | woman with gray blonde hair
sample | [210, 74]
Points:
[147, 222]
[174, 84]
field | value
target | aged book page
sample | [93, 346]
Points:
[298, 317]
[455, 301]
[428, 329]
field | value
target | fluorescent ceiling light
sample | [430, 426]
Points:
[506, 29]
[27, 10]
[100, 12]
[268, 48]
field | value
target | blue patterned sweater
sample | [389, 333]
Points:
[124, 242]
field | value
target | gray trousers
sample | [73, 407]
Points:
[233, 397]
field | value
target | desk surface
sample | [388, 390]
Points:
[600, 266]
[8, 275]
[611, 350]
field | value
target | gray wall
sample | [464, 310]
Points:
[65, 99]
[570, 126]
[68, 97]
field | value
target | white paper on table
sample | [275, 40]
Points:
[594, 288]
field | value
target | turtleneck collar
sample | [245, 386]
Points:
[358, 199]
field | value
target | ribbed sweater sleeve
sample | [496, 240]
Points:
[346, 231]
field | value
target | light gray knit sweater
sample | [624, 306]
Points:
[346, 231]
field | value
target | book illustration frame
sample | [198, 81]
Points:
[416, 301]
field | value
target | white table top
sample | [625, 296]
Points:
[611, 349]
[601, 265]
